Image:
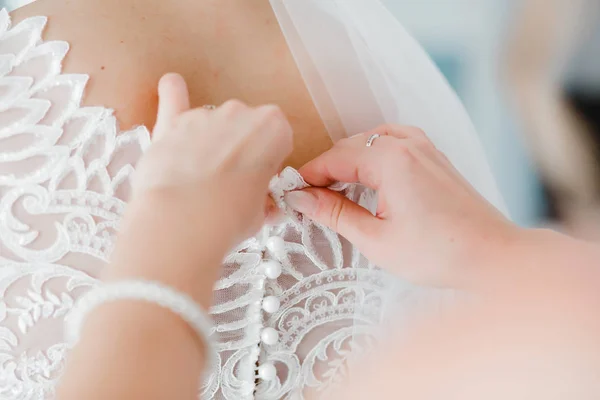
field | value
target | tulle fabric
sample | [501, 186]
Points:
[363, 69]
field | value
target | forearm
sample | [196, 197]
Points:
[548, 252]
[166, 246]
[137, 350]
[532, 342]
[539, 257]
[132, 350]
[530, 334]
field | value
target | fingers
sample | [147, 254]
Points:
[335, 211]
[274, 136]
[173, 99]
[351, 161]
[424, 144]
[397, 131]
[264, 132]
[350, 164]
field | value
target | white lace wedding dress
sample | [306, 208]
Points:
[65, 176]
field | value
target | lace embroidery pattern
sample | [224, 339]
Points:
[65, 174]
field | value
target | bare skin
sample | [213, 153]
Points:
[224, 49]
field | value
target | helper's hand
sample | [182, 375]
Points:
[213, 165]
[431, 226]
[200, 189]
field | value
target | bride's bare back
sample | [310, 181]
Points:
[225, 49]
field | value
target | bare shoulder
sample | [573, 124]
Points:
[125, 46]
[122, 49]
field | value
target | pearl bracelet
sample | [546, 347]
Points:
[151, 292]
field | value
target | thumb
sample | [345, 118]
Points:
[335, 211]
[173, 99]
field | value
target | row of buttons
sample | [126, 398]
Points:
[271, 304]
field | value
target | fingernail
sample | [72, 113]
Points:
[304, 202]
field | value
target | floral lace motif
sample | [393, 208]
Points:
[65, 174]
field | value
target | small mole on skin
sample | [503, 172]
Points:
[103, 67]
[122, 41]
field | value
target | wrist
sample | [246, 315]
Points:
[158, 243]
[143, 337]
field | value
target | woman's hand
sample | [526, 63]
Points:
[431, 226]
[200, 189]
[214, 164]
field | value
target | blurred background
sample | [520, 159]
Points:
[528, 72]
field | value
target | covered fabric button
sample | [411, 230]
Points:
[271, 304]
[267, 371]
[271, 268]
[275, 245]
[269, 336]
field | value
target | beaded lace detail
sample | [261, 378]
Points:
[65, 174]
